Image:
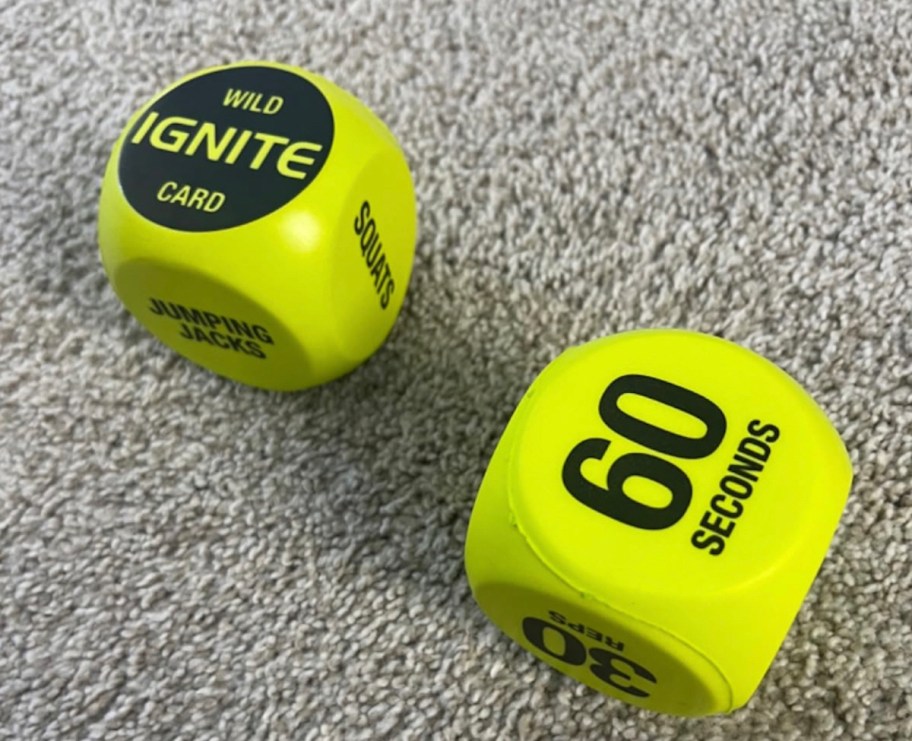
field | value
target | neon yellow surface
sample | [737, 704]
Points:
[667, 492]
[287, 300]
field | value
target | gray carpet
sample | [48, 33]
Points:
[184, 557]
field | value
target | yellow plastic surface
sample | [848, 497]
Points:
[700, 599]
[285, 301]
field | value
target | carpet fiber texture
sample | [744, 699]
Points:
[185, 557]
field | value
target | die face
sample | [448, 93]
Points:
[680, 482]
[289, 153]
[212, 324]
[373, 254]
[226, 147]
[693, 462]
[608, 651]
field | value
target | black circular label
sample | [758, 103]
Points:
[226, 148]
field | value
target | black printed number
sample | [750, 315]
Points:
[612, 500]
[616, 670]
[650, 436]
[611, 667]
[574, 652]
